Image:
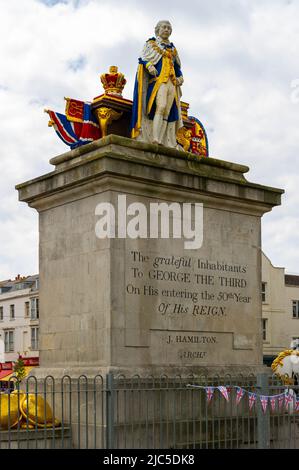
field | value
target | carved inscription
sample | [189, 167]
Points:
[188, 289]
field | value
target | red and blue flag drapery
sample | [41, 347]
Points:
[78, 126]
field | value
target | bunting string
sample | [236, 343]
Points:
[287, 398]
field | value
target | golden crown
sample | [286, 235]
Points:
[113, 82]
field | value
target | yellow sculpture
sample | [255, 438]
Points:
[285, 365]
[28, 410]
[183, 137]
[105, 117]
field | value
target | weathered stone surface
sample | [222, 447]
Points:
[98, 313]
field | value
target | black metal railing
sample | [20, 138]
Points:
[149, 412]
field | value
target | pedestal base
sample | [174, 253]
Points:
[141, 304]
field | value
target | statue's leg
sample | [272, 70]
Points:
[170, 98]
[164, 136]
[161, 100]
[162, 130]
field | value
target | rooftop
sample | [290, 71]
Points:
[19, 283]
[291, 279]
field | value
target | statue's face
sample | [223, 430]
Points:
[165, 30]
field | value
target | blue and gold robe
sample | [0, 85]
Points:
[167, 63]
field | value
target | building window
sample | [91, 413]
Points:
[27, 305]
[1, 313]
[264, 291]
[295, 308]
[34, 308]
[9, 341]
[34, 339]
[264, 323]
[12, 312]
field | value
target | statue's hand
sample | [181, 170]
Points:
[180, 80]
[152, 70]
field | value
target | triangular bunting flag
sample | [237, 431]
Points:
[251, 399]
[287, 399]
[223, 390]
[273, 402]
[264, 402]
[240, 394]
[280, 400]
[209, 392]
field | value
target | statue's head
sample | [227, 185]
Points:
[163, 29]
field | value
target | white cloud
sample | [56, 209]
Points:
[239, 59]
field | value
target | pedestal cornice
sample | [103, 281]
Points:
[112, 159]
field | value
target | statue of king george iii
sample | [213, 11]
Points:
[156, 115]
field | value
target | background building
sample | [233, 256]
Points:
[19, 318]
[280, 300]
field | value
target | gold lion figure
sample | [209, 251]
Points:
[27, 410]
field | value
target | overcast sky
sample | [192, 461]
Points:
[240, 60]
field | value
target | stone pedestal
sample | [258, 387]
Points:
[148, 305]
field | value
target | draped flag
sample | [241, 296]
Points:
[223, 390]
[264, 402]
[273, 402]
[210, 393]
[78, 126]
[240, 394]
[251, 399]
[74, 110]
